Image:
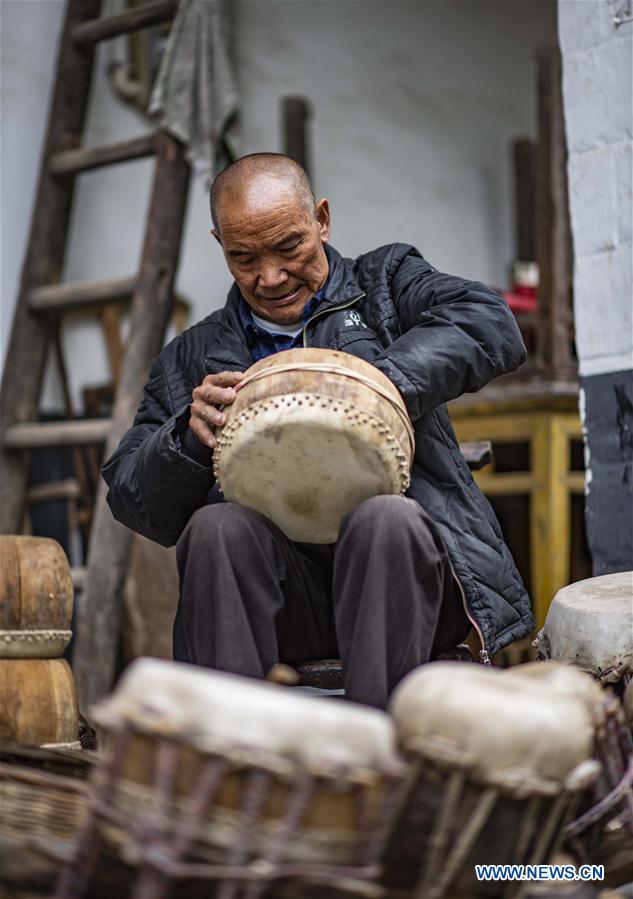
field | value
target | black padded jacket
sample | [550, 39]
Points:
[434, 335]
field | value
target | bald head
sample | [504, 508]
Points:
[261, 176]
[272, 233]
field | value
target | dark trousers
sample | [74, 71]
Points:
[383, 598]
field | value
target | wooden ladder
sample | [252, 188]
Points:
[43, 299]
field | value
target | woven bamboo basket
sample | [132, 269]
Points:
[43, 802]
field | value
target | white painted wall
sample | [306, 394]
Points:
[598, 99]
[415, 105]
[28, 45]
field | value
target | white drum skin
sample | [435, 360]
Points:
[590, 625]
[346, 750]
[498, 758]
[310, 435]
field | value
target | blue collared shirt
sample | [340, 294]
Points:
[263, 343]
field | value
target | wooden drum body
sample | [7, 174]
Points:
[242, 783]
[36, 598]
[498, 764]
[39, 703]
[310, 435]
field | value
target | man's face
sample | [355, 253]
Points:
[273, 246]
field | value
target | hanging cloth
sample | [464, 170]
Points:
[195, 93]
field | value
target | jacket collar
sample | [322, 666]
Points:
[342, 284]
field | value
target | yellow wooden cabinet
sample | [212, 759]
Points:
[544, 416]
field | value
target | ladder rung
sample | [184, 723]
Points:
[110, 26]
[36, 435]
[81, 295]
[54, 490]
[71, 162]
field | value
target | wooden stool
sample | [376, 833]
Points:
[327, 674]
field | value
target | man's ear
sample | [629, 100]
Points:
[214, 233]
[323, 218]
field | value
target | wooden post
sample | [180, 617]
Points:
[523, 153]
[26, 355]
[110, 543]
[295, 114]
[553, 248]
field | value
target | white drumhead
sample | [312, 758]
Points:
[214, 711]
[525, 732]
[33, 644]
[590, 624]
[310, 435]
[304, 472]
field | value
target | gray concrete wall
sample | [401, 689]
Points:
[598, 100]
[415, 104]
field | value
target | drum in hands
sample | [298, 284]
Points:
[310, 435]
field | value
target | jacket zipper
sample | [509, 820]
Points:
[325, 312]
[484, 658]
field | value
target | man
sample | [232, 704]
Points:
[407, 578]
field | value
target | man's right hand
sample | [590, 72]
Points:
[215, 390]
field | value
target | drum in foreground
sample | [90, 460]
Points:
[499, 762]
[605, 814]
[310, 435]
[240, 783]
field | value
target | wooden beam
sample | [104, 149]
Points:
[72, 162]
[44, 260]
[99, 617]
[295, 115]
[523, 152]
[81, 295]
[111, 327]
[134, 20]
[553, 230]
[506, 483]
[35, 435]
[69, 488]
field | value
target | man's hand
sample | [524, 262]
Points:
[215, 390]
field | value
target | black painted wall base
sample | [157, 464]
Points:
[609, 501]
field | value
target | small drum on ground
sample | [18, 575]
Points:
[499, 763]
[36, 598]
[236, 785]
[310, 435]
[590, 624]
[38, 702]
